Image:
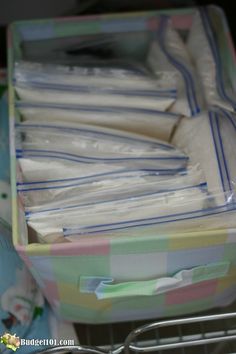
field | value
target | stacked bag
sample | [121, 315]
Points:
[114, 149]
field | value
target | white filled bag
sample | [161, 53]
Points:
[95, 97]
[38, 170]
[154, 123]
[203, 48]
[170, 60]
[97, 75]
[120, 185]
[86, 145]
[210, 141]
[52, 224]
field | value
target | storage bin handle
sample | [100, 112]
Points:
[108, 288]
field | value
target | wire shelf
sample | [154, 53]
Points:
[212, 333]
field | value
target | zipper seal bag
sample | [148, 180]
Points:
[153, 123]
[55, 195]
[37, 92]
[207, 60]
[171, 47]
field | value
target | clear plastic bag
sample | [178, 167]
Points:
[91, 137]
[170, 60]
[95, 96]
[143, 162]
[128, 210]
[158, 124]
[203, 48]
[38, 170]
[84, 144]
[211, 218]
[120, 185]
[98, 74]
[210, 141]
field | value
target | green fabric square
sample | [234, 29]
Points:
[144, 244]
[69, 269]
[72, 28]
[77, 314]
[230, 252]
[139, 302]
[190, 307]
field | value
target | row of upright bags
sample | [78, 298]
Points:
[123, 162]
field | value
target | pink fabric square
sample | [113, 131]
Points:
[191, 293]
[182, 21]
[152, 24]
[50, 290]
[92, 246]
[24, 256]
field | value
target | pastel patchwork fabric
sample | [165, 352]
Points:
[133, 278]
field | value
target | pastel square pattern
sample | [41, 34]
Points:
[138, 266]
[190, 258]
[191, 293]
[44, 266]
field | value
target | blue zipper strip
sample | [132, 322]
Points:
[93, 133]
[82, 89]
[95, 109]
[225, 168]
[148, 221]
[228, 116]
[146, 172]
[215, 53]
[95, 159]
[220, 154]
[189, 84]
[218, 150]
[202, 186]
[229, 180]
[20, 155]
[22, 189]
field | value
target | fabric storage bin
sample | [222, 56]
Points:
[154, 275]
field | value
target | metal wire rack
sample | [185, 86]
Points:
[212, 333]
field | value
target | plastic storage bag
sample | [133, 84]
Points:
[93, 97]
[97, 74]
[119, 185]
[86, 145]
[170, 58]
[84, 137]
[158, 124]
[210, 142]
[201, 44]
[127, 210]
